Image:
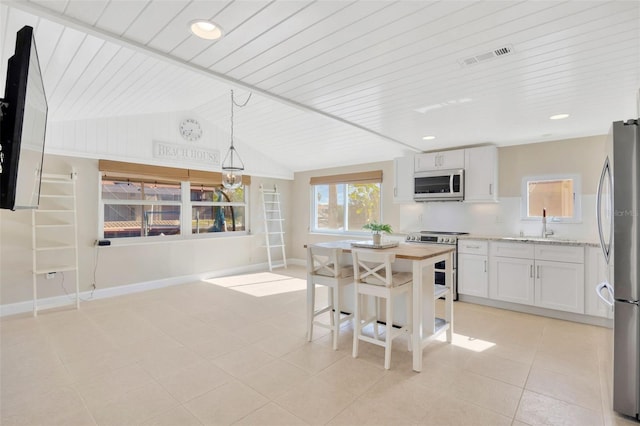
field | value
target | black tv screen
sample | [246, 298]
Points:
[23, 127]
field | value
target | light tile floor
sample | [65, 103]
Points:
[233, 351]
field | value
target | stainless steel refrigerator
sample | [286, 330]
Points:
[617, 211]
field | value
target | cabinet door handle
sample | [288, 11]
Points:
[485, 266]
[538, 271]
[530, 271]
[473, 247]
[395, 192]
[490, 189]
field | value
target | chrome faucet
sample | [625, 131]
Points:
[545, 233]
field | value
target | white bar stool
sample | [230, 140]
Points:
[324, 268]
[373, 276]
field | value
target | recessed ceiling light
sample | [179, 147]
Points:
[559, 117]
[206, 29]
[428, 138]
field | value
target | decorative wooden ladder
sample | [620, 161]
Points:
[54, 236]
[273, 225]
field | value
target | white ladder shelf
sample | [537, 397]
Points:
[54, 235]
[273, 225]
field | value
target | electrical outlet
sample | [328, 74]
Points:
[50, 275]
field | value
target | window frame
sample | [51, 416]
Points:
[192, 204]
[361, 178]
[186, 212]
[142, 203]
[577, 198]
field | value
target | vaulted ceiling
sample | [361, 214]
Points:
[344, 82]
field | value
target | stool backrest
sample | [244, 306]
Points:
[373, 267]
[324, 261]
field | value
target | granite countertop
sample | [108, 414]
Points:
[531, 239]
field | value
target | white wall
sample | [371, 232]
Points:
[155, 260]
[118, 265]
[131, 139]
[499, 219]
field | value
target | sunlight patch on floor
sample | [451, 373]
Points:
[467, 342]
[260, 284]
[471, 343]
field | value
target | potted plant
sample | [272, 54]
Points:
[377, 229]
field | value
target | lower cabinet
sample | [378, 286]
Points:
[559, 285]
[511, 280]
[473, 275]
[473, 278]
[530, 277]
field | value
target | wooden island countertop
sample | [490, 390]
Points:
[407, 251]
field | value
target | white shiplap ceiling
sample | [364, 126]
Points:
[344, 82]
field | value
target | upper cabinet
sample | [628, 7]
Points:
[439, 160]
[481, 174]
[403, 179]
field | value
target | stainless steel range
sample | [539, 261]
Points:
[440, 237]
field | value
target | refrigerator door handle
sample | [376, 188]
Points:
[609, 300]
[606, 174]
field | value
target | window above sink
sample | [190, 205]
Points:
[558, 195]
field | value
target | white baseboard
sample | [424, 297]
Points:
[103, 293]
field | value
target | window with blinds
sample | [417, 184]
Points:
[345, 202]
[153, 201]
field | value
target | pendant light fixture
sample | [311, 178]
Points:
[232, 165]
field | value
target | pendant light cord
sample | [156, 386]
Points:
[233, 102]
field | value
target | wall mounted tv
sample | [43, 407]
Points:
[23, 122]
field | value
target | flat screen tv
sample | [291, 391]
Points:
[22, 127]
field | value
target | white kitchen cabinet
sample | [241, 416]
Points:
[442, 160]
[545, 275]
[481, 174]
[511, 279]
[559, 285]
[473, 266]
[403, 179]
[596, 271]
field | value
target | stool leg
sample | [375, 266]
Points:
[331, 305]
[356, 323]
[336, 314]
[311, 300]
[389, 334]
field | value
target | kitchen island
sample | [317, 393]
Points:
[425, 325]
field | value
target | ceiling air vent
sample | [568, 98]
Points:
[486, 56]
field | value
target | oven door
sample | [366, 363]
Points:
[441, 185]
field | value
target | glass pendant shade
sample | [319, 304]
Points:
[232, 168]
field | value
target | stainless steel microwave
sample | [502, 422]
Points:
[439, 185]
